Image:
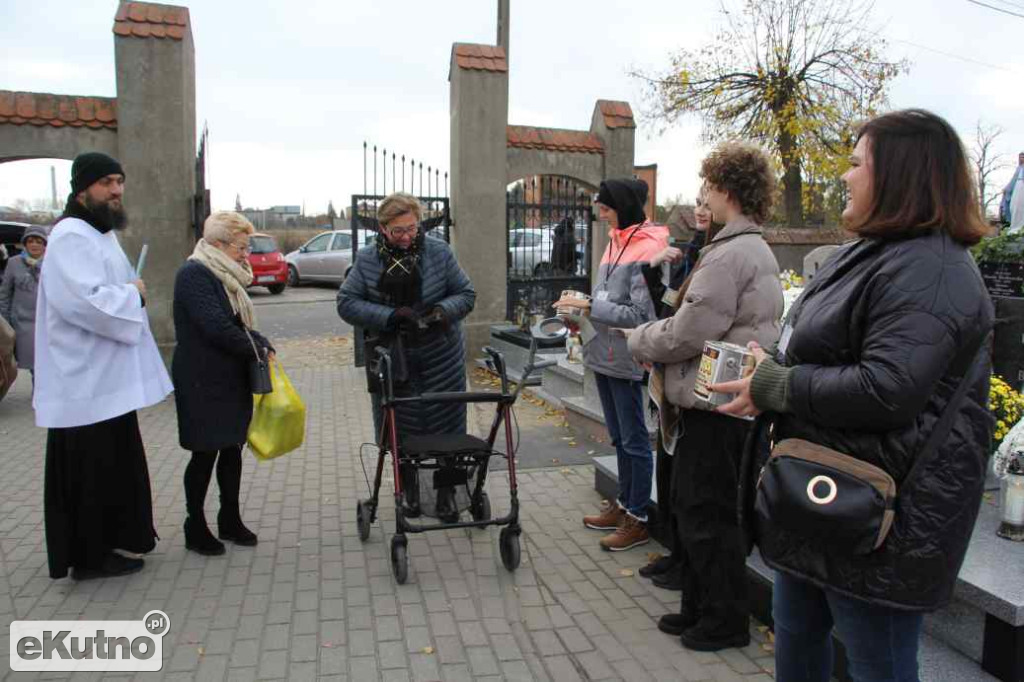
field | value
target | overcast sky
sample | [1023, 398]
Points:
[290, 90]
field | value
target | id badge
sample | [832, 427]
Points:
[787, 332]
[602, 295]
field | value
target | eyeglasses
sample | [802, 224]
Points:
[242, 249]
[403, 231]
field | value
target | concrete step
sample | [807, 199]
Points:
[564, 380]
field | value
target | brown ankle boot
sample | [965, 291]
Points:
[632, 533]
[610, 517]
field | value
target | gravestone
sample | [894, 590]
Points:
[815, 259]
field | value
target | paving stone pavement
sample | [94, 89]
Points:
[312, 601]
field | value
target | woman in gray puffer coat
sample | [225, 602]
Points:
[18, 292]
[408, 288]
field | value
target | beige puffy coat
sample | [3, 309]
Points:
[734, 296]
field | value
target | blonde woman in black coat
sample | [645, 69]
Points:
[213, 321]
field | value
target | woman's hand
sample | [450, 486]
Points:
[743, 405]
[582, 305]
[271, 355]
[669, 254]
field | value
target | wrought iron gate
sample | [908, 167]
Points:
[436, 219]
[549, 221]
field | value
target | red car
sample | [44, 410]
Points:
[268, 267]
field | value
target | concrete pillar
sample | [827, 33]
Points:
[479, 118]
[504, 16]
[612, 122]
[155, 63]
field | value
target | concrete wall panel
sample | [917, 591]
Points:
[522, 163]
[47, 142]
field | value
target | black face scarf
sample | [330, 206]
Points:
[400, 279]
[101, 217]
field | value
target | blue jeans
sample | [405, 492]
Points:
[881, 642]
[622, 401]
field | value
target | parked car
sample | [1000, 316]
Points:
[326, 257]
[269, 268]
[531, 252]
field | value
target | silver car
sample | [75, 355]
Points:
[531, 252]
[326, 257]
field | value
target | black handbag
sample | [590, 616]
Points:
[259, 370]
[831, 498]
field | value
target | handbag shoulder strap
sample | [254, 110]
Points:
[253, 344]
[945, 422]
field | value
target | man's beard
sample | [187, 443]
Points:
[106, 216]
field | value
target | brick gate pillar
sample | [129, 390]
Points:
[155, 63]
[479, 118]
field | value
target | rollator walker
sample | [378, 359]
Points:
[460, 461]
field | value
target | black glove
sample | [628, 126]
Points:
[405, 317]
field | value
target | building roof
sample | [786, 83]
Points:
[480, 57]
[616, 114]
[554, 139]
[39, 109]
[150, 20]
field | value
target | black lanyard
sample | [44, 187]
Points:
[614, 265]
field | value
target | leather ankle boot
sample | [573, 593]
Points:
[230, 527]
[198, 537]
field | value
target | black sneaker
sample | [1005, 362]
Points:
[660, 565]
[113, 565]
[696, 639]
[670, 580]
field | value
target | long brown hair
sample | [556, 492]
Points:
[921, 179]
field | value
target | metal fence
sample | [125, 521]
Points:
[549, 222]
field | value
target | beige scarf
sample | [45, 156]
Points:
[234, 276]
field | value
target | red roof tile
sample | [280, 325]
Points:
[554, 139]
[616, 114]
[39, 109]
[150, 20]
[480, 57]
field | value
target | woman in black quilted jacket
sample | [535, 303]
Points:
[868, 359]
[216, 342]
[406, 290]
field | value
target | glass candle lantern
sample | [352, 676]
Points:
[1011, 503]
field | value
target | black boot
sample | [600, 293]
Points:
[447, 509]
[198, 537]
[698, 638]
[411, 490]
[677, 623]
[113, 565]
[229, 519]
[230, 527]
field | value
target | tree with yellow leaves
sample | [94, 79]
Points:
[794, 75]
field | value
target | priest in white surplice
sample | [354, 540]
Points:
[96, 364]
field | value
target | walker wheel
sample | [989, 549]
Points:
[364, 516]
[480, 508]
[508, 544]
[399, 560]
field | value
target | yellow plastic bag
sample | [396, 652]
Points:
[279, 418]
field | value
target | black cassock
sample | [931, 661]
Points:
[97, 495]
